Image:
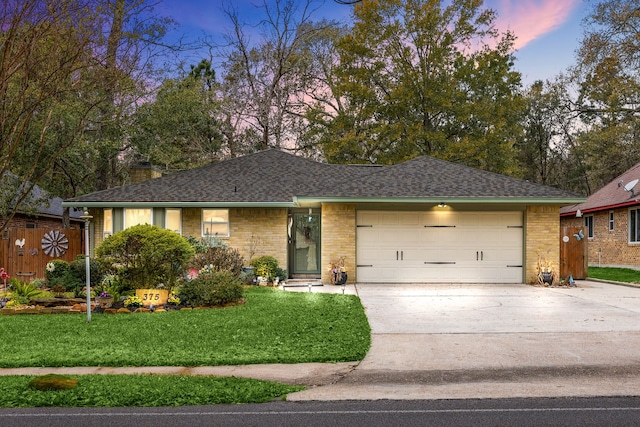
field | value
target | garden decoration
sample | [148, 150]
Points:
[338, 272]
[55, 243]
[20, 245]
[4, 276]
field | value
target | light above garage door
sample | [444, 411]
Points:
[439, 247]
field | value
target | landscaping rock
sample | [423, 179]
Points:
[53, 382]
[123, 310]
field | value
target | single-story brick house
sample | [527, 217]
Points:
[423, 220]
[611, 218]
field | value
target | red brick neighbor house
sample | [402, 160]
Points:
[423, 220]
[611, 221]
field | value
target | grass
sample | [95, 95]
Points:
[141, 390]
[272, 327]
[627, 275]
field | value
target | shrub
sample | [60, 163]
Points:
[39, 283]
[74, 278]
[213, 289]
[56, 272]
[148, 255]
[265, 266]
[201, 246]
[219, 259]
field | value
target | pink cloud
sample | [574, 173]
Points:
[531, 19]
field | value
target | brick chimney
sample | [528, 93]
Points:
[143, 171]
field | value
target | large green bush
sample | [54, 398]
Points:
[212, 289]
[147, 255]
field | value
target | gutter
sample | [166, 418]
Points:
[445, 199]
[178, 204]
[634, 202]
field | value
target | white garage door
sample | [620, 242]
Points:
[439, 247]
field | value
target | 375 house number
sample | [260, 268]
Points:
[151, 297]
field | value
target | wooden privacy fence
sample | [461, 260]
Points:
[573, 252]
[25, 252]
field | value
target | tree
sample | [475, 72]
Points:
[608, 70]
[47, 90]
[416, 77]
[179, 129]
[262, 84]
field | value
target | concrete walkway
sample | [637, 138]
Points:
[467, 341]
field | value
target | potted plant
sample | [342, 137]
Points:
[104, 299]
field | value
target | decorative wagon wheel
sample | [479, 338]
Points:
[55, 243]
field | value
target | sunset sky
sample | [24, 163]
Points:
[548, 31]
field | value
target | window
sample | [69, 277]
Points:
[588, 222]
[611, 220]
[215, 222]
[30, 225]
[107, 227]
[136, 217]
[172, 220]
[634, 226]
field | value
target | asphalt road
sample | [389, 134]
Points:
[619, 411]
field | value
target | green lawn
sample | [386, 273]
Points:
[272, 327]
[141, 390]
[627, 275]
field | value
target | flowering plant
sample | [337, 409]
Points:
[173, 299]
[50, 266]
[207, 269]
[133, 302]
[105, 294]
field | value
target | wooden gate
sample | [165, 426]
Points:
[25, 252]
[573, 252]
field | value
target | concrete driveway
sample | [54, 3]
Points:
[484, 341]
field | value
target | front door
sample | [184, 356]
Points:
[304, 243]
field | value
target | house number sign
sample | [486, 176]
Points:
[152, 296]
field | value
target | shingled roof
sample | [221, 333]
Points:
[611, 196]
[273, 177]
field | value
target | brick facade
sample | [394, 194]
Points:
[263, 231]
[21, 221]
[338, 239]
[609, 247]
[259, 231]
[542, 238]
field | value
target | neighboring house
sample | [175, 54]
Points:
[31, 239]
[424, 220]
[611, 220]
[46, 215]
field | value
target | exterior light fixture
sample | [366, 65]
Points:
[442, 205]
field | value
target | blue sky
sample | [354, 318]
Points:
[548, 31]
